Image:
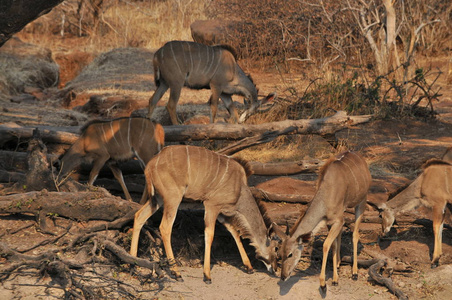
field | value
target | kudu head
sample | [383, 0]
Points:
[387, 218]
[289, 250]
[386, 215]
[254, 105]
[272, 247]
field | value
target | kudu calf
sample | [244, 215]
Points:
[197, 66]
[432, 189]
[343, 183]
[220, 182]
[111, 141]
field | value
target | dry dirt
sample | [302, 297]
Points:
[398, 147]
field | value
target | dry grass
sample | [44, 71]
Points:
[289, 148]
[121, 23]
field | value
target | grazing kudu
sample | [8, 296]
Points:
[432, 189]
[111, 141]
[343, 183]
[197, 66]
[220, 182]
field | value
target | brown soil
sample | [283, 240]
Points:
[395, 151]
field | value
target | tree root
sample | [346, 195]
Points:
[374, 273]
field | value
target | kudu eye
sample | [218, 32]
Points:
[290, 255]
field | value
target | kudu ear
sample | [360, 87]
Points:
[380, 207]
[275, 231]
[303, 239]
[270, 97]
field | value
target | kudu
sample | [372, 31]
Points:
[432, 189]
[197, 66]
[343, 183]
[220, 182]
[112, 141]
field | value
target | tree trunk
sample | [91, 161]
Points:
[14, 15]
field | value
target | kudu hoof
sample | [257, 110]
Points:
[207, 280]
[335, 283]
[434, 265]
[179, 278]
[250, 271]
[355, 277]
[323, 289]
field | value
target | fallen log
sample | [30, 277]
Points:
[14, 160]
[82, 206]
[21, 134]
[286, 168]
[254, 140]
[273, 197]
[217, 131]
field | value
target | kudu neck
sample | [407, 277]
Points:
[314, 215]
[407, 199]
[255, 228]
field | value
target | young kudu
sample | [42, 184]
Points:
[220, 182]
[111, 141]
[197, 66]
[343, 183]
[432, 189]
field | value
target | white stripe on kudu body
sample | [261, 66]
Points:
[343, 183]
[99, 144]
[182, 63]
[188, 172]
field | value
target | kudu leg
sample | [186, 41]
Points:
[172, 103]
[238, 241]
[117, 173]
[141, 216]
[438, 223]
[210, 217]
[230, 106]
[98, 164]
[359, 213]
[335, 229]
[161, 89]
[214, 98]
[145, 195]
[166, 227]
[336, 257]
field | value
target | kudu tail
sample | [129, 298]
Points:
[156, 72]
[159, 135]
[149, 185]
